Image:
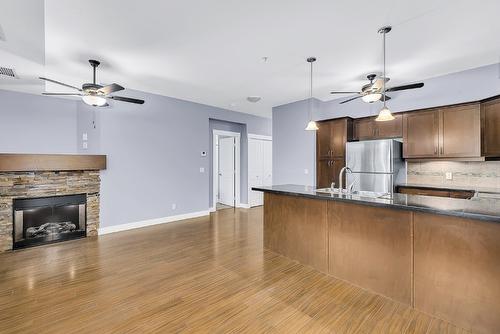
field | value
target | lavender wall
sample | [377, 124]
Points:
[292, 153]
[37, 124]
[154, 155]
[293, 148]
[154, 150]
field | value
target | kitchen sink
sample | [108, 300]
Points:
[370, 194]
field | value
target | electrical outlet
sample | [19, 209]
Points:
[449, 175]
[174, 206]
[202, 169]
[85, 145]
[85, 136]
[306, 171]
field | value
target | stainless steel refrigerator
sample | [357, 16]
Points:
[376, 165]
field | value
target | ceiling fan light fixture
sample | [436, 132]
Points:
[384, 115]
[370, 98]
[94, 100]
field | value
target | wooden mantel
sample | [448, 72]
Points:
[14, 162]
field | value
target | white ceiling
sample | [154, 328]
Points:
[211, 51]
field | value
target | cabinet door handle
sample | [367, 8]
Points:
[328, 163]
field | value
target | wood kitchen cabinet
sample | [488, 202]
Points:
[367, 128]
[448, 132]
[327, 171]
[421, 134]
[460, 131]
[331, 139]
[490, 128]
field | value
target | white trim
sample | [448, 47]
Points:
[237, 135]
[261, 137]
[226, 133]
[212, 209]
[243, 206]
[150, 222]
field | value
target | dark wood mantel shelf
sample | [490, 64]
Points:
[15, 162]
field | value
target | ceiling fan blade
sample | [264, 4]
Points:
[405, 87]
[60, 83]
[336, 92]
[126, 99]
[351, 99]
[110, 89]
[62, 94]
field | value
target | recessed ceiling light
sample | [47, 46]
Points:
[254, 99]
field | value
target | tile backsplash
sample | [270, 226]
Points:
[484, 174]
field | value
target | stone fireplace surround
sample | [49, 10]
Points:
[39, 182]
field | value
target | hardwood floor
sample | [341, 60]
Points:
[203, 275]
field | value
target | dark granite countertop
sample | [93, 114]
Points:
[477, 208]
[452, 187]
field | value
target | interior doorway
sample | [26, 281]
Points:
[226, 169]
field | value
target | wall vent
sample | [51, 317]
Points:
[8, 72]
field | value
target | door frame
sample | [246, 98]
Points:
[215, 176]
[255, 137]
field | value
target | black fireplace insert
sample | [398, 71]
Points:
[45, 220]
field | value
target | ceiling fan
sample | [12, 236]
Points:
[92, 93]
[375, 89]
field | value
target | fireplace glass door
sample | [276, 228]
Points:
[49, 219]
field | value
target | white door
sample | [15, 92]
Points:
[259, 168]
[226, 170]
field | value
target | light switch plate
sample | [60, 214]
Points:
[85, 145]
[449, 175]
[202, 169]
[85, 136]
[306, 171]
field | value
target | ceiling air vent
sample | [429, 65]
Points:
[8, 72]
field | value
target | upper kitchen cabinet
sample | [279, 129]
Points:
[390, 129]
[323, 140]
[367, 128]
[490, 128]
[449, 132]
[460, 131]
[421, 134]
[332, 137]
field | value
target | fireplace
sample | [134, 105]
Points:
[48, 219]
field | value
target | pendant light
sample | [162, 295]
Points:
[311, 126]
[384, 114]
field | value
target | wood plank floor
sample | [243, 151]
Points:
[204, 275]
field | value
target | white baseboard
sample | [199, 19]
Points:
[212, 209]
[243, 205]
[150, 222]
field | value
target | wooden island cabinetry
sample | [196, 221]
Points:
[444, 265]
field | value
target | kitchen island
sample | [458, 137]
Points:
[439, 255]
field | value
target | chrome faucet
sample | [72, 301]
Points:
[341, 174]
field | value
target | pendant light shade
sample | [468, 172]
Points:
[385, 114]
[311, 126]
